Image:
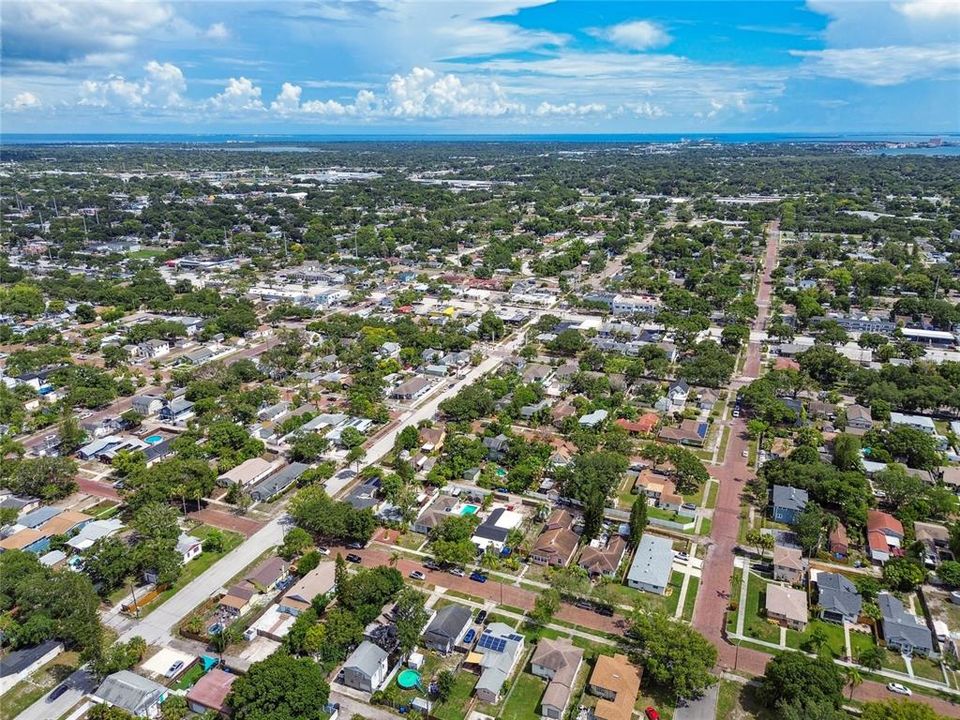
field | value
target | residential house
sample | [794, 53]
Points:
[689, 432]
[211, 692]
[147, 405]
[839, 542]
[93, 531]
[838, 598]
[494, 530]
[788, 503]
[708, 398]
[558, 662]
[616, 682]
[318, 582]
[917, 422]
[247, 473]
[278, 483]
[935, 538]
[431, 438]
[18, 665]
[188, 547]
[366, 668]
[497, 447]
[131, 692]
[269, 574]
[788, 564]
[652, 565]
[644, 425]
[106, 448]
[884, 536]
[676, 398]
[593, 419]
[787, 605]
[859, 418]
[447, 627]
[176, 411]
[433, 514]
[557, 542]
[412, 389]
[604, 560]
[501, 647]
[903, 632]
[237, 599]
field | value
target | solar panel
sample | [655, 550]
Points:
[517, 638]
[491, 642]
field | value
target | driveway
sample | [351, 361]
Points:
[80, 683]
[703, 709]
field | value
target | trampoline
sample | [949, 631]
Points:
[408, 679]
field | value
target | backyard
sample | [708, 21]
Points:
[454, 708]
[523, 702]
[25, 693]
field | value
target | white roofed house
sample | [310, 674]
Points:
[501, 647]
[652, 565]
[366, 668]
[188, 547]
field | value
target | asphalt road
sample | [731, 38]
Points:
[703, 709]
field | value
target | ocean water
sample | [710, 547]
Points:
[288, 143]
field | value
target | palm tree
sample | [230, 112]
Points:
[852, 679]
[394, 559]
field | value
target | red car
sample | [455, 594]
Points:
[652, 713]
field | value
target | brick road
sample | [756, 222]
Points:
[99, 488]
[227, 521]
[500, 593]
[712, 598]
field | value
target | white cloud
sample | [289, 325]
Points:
[423, 93]
[165, 84]
[25, 100]
[645, 110]
[114, 91]
[217, 31]
[634, 34]
[891, 65]
[288, 101]
[240, 94]
[62, 31]
[928, 9]
[569, 109]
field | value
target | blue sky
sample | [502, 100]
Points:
[465, 66]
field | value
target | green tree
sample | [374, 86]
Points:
[846, 452]
[295, 542]
[446, 681]
[70, 435]
[675, 656]
[899, 710]
[280, 688]
[638, 519]
[872, 657]
[794, 677]
[903, 574]
[949, 573]
[545, 606]
[410, 618]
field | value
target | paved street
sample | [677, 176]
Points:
[703, 709]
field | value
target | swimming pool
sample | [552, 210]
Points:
[469, 509]
[408, 679]
[153, 439]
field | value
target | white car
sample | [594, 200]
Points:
[899, 689]
[745, 453]
[417, 575]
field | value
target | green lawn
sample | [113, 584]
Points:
[197, 566]
[705, 526]
[926, 668]
[691, 599]
[735, 594]
[860, 642]
[455, 706]
[714, 488]
[190, 677]
[755, 624]
[411, 541]
[26, 693]
[737, 701]
[834, 634]
[524, 700]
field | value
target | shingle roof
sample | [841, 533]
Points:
[790, 498]
[838, 594]
[366, 658]
[447, 623]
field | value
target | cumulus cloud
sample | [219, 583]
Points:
[645, 110]
[25, 100]
[424, 93]
[114, 91]
[240, 94]
[634, 34]
[569, 109]
[891, 65]
[217, 31]
[61, 31]
[164, 84]
[288, 101]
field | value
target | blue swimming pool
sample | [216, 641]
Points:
[469, 509]
[153, 439]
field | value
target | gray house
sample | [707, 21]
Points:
[788, 503]
[839, 598]
[133, 693]
[902, 631]
[652, 565]
[447, 627]
[366, 668]
[497, 447]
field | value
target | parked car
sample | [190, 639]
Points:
[683, 557]
[651, 713]
[354, 558]
[323, 550]
[417, 575]
[431, 564]
[174, 669]
[745, 453]
[249, 634]
[689, 506]
[584, 605]
[478, 576]
[469, 636]
[355, 546]
[456, 571]
[899, 689]
[481, 617]
[604, 610]
[60, 690]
